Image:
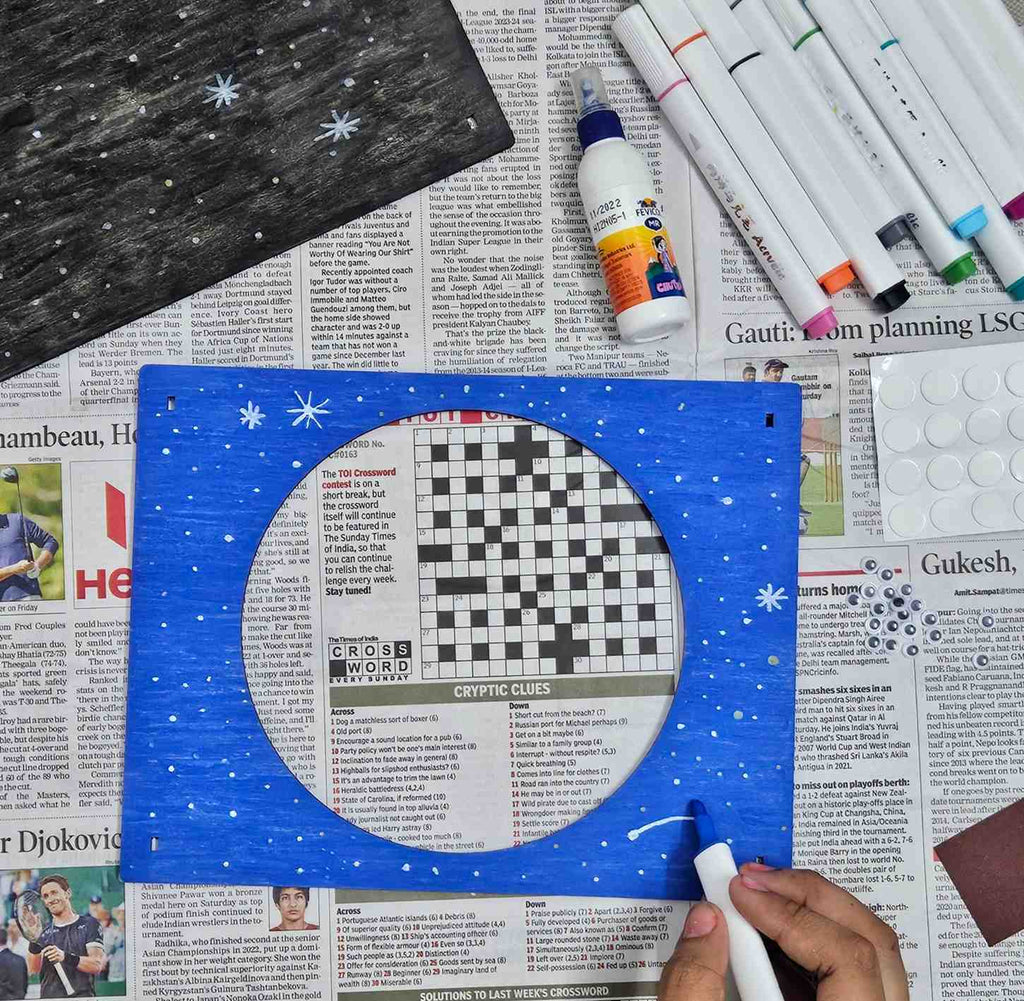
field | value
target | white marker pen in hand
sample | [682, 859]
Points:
[748, 957]
[723, 171]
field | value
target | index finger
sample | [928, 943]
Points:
[812, 890]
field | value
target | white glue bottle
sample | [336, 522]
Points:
[626, 220]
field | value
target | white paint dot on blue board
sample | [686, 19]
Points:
[641, 431]
[166, 451]
[476, 872]
[727, 501]
[199, 618]
[229, 538]
[714, 733]
[170, 768]
[604, 844]
[584, 864]
[465, 389]
[296, 464]
[406, 867]
[643, 809]
[232, 813]
[738, 714]
[680, 726]
[675, 782]
[522, 875]
[163, 625]
[664, 856]
[191, 806]
[300, 870]
[298, 837]
[639, 872]
[597, 879]
[434, 870]
[227, 865]
[173, 719]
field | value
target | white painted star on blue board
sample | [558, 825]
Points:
[252, 417]
[224, 93]
[308, 410]
[770, 598]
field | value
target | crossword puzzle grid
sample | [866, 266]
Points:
[535, 558]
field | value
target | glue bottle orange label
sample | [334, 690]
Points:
[633, 248]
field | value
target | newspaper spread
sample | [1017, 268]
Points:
[520, 722]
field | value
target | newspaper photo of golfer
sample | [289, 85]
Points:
[31, 532]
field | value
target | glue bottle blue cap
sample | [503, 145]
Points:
[595, 119]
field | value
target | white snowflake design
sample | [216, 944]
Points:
[224, 93]
[770, 598]
[340, 128]
[308, 410]
[252, 416]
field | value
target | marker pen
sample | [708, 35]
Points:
[748, 958]
[1000, 34]
[723, 171]
[754, 147]
[875, 268]
[876, 204]
[1004, 99]
[906, 110]
[950, 256]
[953, 92]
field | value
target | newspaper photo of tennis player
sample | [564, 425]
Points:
[31, 533]
[822, 510]
[63, 933]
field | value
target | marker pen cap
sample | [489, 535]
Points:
[640, 39]
[961, 269]
[970, 223]
[837, 279]
[893, 297]
[1014, 208]
[673, 20]
[1016, 290]
[824, 323]
[895, 232]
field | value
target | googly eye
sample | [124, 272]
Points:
[875, 625]
[909, 629]
[889, 593]
[892, 626]
[930, 619]
[899, 602]
[853, 600]
[906, 590]
[892, 645]
[869, 564]
[916, 605]
[934, 635]
[868, 591]
[873, 642]
[987, 621]
[980, 660]
[879, 608]
[911, 649]
[886, 574]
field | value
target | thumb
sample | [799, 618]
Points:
[696, 971]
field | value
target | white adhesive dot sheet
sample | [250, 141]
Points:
[949, 432]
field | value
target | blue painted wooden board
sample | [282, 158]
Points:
[721, 479]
